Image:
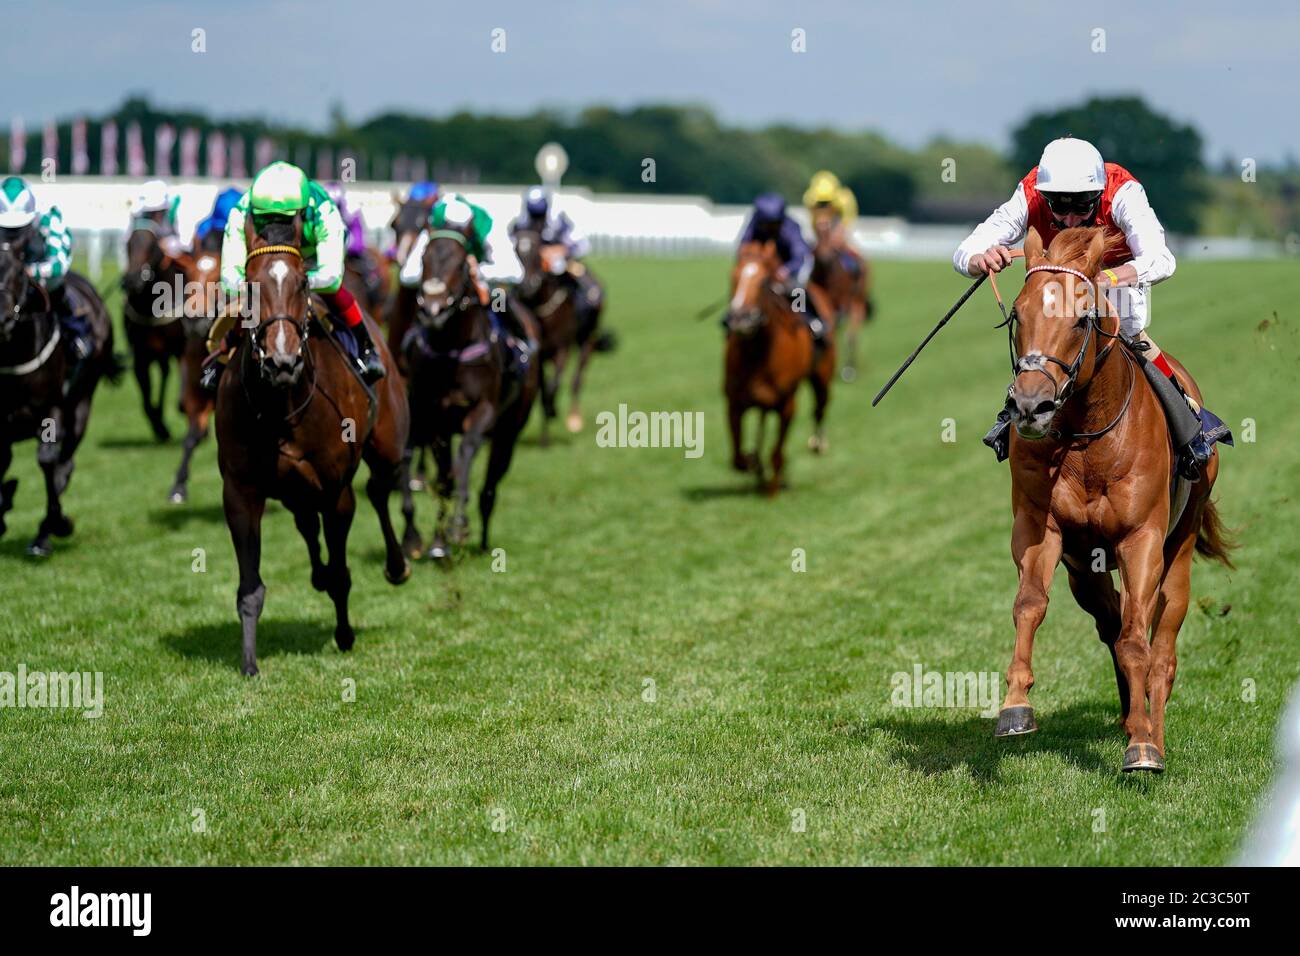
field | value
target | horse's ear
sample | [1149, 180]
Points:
[250, 231]
[1033, 246]
[297, 230]
[1096, 252]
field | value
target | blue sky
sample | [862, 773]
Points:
[909, 70]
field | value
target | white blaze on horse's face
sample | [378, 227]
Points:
[744, 283]
[279, 272]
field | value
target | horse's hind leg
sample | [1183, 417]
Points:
[477, 423]
[503, 449]
[337, 524]
[443, 487]
[307, 520]
[385, 474]
[411, 543]
[7, 488]
[821, 386]
[574, 420]
[244, 508]
[1170, 611]
[1035, 547]
[778, 450]
[194, 434]
[857, 316]
[1094, 591]
[57, 470]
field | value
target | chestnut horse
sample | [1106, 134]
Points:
[152, 314]
[769, 352]
[203, 301]
[294, 422]
[1091, 471]
[551, 300]
[33, 403]
[849, 294]
[463, 382]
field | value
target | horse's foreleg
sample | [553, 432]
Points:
[778, 450]
[443, 487]
[503, 449]
[821, 386]
[244, 508]
[857, 317]
[160, 429]
[1171, 610]
[574, 420]
[1141, 567]
[477, 423]
[1094, 591]
[49, 455]
[735, 414]
[1035, 547]
[411, 543]
[307, 521]
[7, 488]
[385, 474]
[338, 521]
[193, 435]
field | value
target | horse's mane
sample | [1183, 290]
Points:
[1070, 247]
[278, 233]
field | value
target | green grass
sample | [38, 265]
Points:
[519, 695]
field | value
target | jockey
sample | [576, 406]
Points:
[281, 193]
[568, 248]
[356, 244]
[157, 206]
[455, 213]
[44, 244]
[1070, 187]
[208, 234]
[771, 223]
[826, 192]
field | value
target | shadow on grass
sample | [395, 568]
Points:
[276, 637]
[176, 517]
[128, 443]
[935, 747]
[744, 489]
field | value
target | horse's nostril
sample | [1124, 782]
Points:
[1043, 407]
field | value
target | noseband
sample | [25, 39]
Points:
[439, 318]
[301, 326]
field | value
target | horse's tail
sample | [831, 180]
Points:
[1213, 540]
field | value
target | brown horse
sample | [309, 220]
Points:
[409, 220]
[203, 301]
[294, 422]
[849, 293]
[152, 314]
[33, 404]
[549, 294]
[769, 353]
[464, 381]
[1091, 466]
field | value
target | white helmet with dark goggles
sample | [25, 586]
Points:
[1071, 177]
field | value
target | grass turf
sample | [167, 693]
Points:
[649, 682]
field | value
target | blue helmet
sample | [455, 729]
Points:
[426, 189]
[769, 208]
[227, 200]
[536, 202]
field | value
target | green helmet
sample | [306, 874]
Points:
[17, 204]
[280, 189]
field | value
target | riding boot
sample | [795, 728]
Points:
[372, 366]
[999, 436]
[210, 377]
[1194, 449]
[818, 329]
[76, 334]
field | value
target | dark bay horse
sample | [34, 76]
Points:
[849, 293]
[152, 314]
[294, 422]
[203, 301]
[1091, 471]
[410, 219]
[33, 367]
[464, 381]
[551, 300]
[769, 352]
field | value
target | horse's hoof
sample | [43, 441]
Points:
[1143, 757]
[39, 549]
[416, 484]
[818, 444]
[574, 422]
[162, 434]
[413, 549]
[249, 670]
[61, 527]
[1014, 721]
[401, 577]
[438, 552]
[344, 638]
[177, 496]
[848, 373]
[320, 579]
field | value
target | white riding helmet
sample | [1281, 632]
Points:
[1071, 166]
[17, 204]
[153, 197]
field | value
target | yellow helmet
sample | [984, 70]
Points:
[823, 188]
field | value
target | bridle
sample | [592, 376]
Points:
[1061, 392]
[453, 303]
[8, 322]
[301, 326]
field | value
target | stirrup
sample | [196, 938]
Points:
[372, 369]
[1193, 456]
[210, 376]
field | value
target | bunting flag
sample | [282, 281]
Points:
[263, 152]
[17, 145]
[108, 149]
[238, 167]
[217, 154]
[325, 164]
[419, 170]
[164, 138]
[189, 152]
[135, 165]
[80, 154]
[50, 147]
